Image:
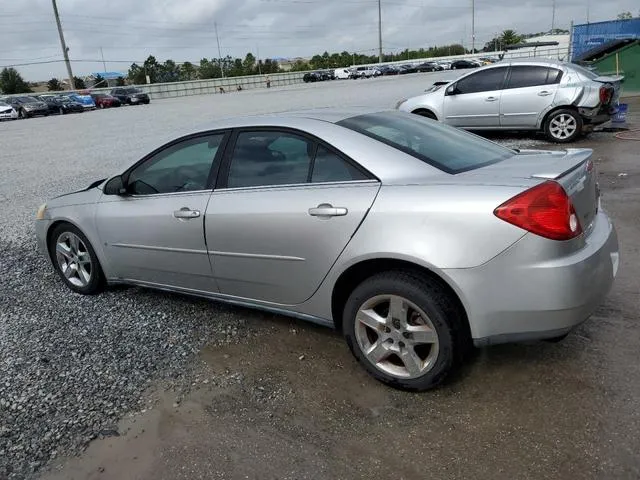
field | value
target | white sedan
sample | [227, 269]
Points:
[7, 112]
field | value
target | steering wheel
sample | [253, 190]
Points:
[185, 175]
[276, 155]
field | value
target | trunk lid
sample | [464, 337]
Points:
[572, 168]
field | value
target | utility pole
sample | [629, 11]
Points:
[65, 49]
[553, 17]
[473, 26]
[380, 31]
[104, 66]
[215, 25]
[258, 62]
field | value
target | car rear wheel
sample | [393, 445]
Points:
[60, 111]
[404, 329]
[563, 126]
[75, 260]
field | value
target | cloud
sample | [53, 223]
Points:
[185, 30]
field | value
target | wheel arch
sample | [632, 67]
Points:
[545, 116]
[355, 274]
[425, 112]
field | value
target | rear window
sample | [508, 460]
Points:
[444, 147]
[585, 71]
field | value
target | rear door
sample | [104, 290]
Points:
[285, 208]
[529, 91]
[475, 102]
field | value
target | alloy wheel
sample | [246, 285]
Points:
[563, 126]
[396, 336]
[74, 259]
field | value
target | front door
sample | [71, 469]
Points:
[155, 232]
[529, 91]
[287, 209]
[475, 100]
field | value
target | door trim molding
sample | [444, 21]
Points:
[261, 256]
[160, 249]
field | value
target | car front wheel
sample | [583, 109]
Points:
[75, 260]
[563, 126]
[405, 329]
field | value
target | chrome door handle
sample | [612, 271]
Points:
[544, 93]
[491, 99]
[186, 213]
[327, 210]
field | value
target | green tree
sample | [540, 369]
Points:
[249, 64]
[209, 69]
[510, 37]
[54, 85]
[120, 82]
[300, 66]
[625, 16]
[168, 72]
[188, 71]
[151, 69]
[79, 83]
[100, 82]
[136, 74]
[12, 82]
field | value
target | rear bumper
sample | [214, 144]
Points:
[596, 116]
[524, 295]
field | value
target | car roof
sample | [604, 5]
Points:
[534, 61]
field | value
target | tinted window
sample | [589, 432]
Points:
[444, 147]
[269, 158]
[329, 167]
[182, 167]
[554, 76]
[527, 76]
[484, 81]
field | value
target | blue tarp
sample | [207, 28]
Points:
[109, 75]
[590, 35]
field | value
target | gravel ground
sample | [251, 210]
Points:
[71, 366]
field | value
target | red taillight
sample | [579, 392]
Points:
[545, 210]
[605, 95]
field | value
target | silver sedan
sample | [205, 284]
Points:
[414, 239]
[561, 99]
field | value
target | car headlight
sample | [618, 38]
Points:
[41, 211]
[400, 103]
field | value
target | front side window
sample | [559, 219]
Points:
[483, 81]
[442, 146]
[183, 167]
[269, 158]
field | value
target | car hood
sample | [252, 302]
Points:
[81, 197]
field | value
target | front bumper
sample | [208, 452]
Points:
[9, 116]
[41, 235]
[522, 294]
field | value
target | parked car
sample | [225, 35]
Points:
[365, 72]
[343, 73]
[83, 99]
[310, 77]
[26, 106]
[387, 70]
[462, 64]
[409, 288]
[445, 64]
[561, 99]
[59, 104]
[407, 68]
[104, 100]
[429, 67]
[7, 112]
[130, 96]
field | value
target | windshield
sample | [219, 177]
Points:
[444, 147]
[27, 99]
[2, 104]
[134, 90]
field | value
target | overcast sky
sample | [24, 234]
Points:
[184, 30]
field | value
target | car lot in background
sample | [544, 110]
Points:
[7, 112]
[463, 64]
[563, 100]
[198, 377]
[130, 96]
[84, 99]
[343, 73]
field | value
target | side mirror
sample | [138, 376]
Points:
[451, 89]
[115, 186]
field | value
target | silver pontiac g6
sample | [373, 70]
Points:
[414, 239]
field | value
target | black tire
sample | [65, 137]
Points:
[61, 111]
[97, 281]
[426, 114]
[22, 114]
[558, 115]
[102, 105]
[443, 311]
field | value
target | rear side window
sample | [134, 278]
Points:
[523, 76]
[483, 81]
[329, 167]
[444, 147]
